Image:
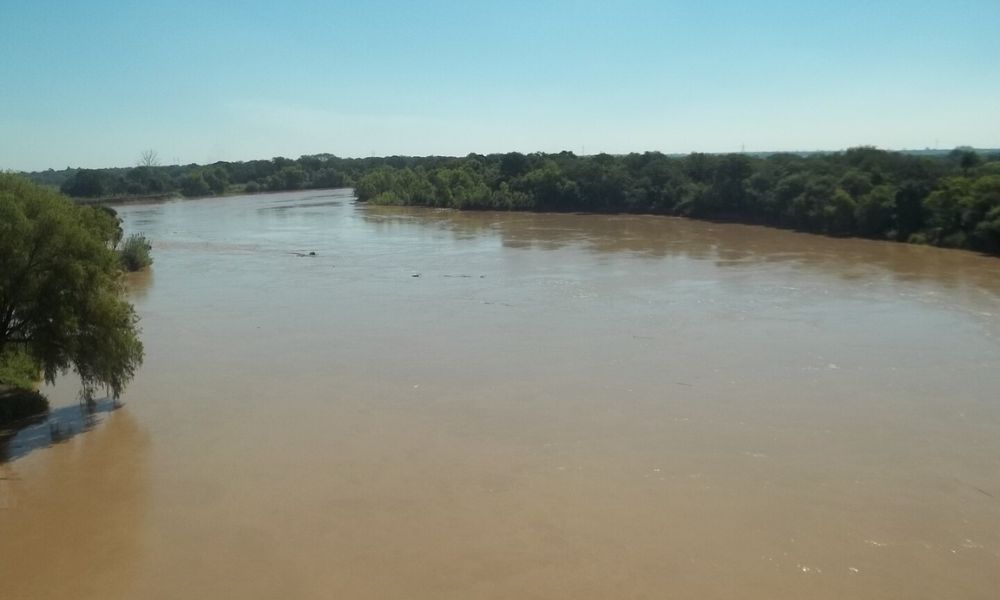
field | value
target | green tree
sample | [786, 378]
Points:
[61, 289]
[375, 182]
[513, 164]
[839, 213]
[944, 207]
[778, 202]
[728, 185]
[981, 216]
[288, 178]
[217, 179]
[909, 208]
[329, 178]
[808, 209]
[194, 184]
[87, 183]
[855, 182]
[549, 188]
[874, 212]
[967, 159]
[145, 180]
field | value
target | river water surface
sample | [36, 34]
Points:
[486, 405]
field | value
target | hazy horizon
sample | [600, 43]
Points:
[163, 162]
[98, 84]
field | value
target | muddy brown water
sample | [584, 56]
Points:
[558, 406]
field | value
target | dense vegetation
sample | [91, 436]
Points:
[62, 301]
[319, 171]
[947, 199]
[18, 404]
[135, 252]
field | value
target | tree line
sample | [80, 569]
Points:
[276, 174]
[946, 199]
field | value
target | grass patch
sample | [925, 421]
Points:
[18, 370]
[135, 252]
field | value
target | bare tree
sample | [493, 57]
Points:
[149, 158]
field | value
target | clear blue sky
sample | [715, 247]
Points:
[94, 83]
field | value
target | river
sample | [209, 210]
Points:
[463, 405]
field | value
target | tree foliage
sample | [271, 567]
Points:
[944, 198]
[949, 200]
[61, 288]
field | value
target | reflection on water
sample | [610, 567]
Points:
[139, 283]
[725, 244]
[60, 425]
[452, 405]
[73, 526]
[286, 207]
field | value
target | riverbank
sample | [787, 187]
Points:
[18, 405]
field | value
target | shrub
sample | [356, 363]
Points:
[17, 405]
[194, 184]
[135, 252]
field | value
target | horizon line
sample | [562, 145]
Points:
[581, 154]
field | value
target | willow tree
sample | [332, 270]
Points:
[62, 294]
